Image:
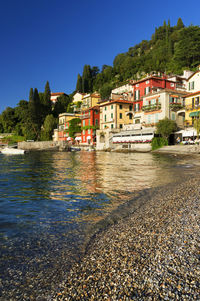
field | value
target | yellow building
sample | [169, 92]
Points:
[192, 108]
[116, 113]
[90, 100]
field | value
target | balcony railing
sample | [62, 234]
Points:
[176, 106]
[84, 116]
[192, 107]
[151, 108]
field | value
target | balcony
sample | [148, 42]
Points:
[151, 108]
[85, 116]
[192, 107]
[176, 106]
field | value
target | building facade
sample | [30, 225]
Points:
[54, 96]
[90, 100]
[115, 113]
[89, 125]
[63, 126]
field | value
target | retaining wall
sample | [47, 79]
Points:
[41, 145]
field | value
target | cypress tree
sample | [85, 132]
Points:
[180, 24]
[86, 79]
[47, 99]
[31, 94]
[79, 87]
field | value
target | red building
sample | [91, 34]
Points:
[89, 123]
[148, 85]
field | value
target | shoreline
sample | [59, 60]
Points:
[152, 253]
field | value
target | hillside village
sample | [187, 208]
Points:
[128, 119]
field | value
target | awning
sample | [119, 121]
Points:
[78, 138]
[88, 137]
[189, 133]
[194, 114]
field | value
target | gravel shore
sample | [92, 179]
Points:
[153, 254]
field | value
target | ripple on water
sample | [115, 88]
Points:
[51, 201]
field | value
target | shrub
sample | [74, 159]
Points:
[158, 142]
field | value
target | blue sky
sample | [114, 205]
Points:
[53, 39]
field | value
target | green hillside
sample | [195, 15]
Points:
[171, 49]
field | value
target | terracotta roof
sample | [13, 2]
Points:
[117, 101]
[151, 77]
[192, 94]
[59, 93]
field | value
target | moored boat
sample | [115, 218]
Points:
[12, 151]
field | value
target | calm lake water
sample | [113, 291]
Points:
[50, 201]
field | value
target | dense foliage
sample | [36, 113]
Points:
[74, 127]
[166, 127]
[34, 119]
[158, 142]
[171, 49]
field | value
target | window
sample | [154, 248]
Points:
[96, 111]
[196, 101]
[105, 108]
[156, 117]
[149, 118]
[120, 126]
[105, 118]
[137, 121]
[173, 116]
[137, 95]
[83, 122]
[111, 125]
[191, 85]
[96, 121]
[89, 122]
[120, 115]
[89, 131]
[130, 116]
[111, 115]
[83, 132]
[120, 106]
[130, 108]
[111, 106]
[147, 90]
[192, 103]
[105, 126]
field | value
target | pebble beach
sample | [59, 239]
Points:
[151, 254]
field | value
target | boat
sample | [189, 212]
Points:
[74, 149]
[12, 151]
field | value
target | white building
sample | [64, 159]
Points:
[193, 84]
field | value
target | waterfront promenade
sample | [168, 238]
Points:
[153, 254]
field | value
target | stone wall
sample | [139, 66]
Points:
[41, 145]
[133, 147]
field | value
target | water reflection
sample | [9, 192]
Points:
[48, 199]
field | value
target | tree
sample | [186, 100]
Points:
[105, 90]
[62, 105]
[35, 114]
[79, 87]
[8, 120]
[1, 125]
[47, 99]
[74, 127]
[87, 79]
[197, 126]
[22, 115]
[166, 127]
[48, 127]
[180, 24]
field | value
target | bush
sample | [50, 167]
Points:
[158, 142]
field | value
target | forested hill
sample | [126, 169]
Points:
[171, 49]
